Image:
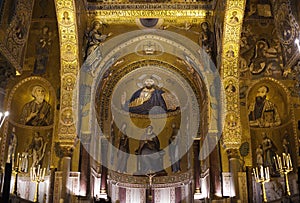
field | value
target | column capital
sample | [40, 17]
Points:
[64, 149]
[232, 153]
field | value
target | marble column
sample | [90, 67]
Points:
[215, 166]
[66, 163]
[7, 179]
[196, 148]
[84, 165]
[122, 195]
[234, 168]
[104, 154]
[51, 184]
[178, 194]
[230, 75]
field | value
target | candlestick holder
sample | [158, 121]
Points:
[262, 176]
[284, 167]
[37, 175]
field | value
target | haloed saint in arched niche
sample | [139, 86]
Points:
[37, 112]
[263, 112]
[151, 98]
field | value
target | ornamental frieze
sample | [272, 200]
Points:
[122, 14]
[156, 6]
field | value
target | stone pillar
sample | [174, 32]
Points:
[51, 185]
[84, 168]
[178, 194]
[104, 154]
[66, 163]
[67, 133]
[6, 186]
[230, 74]
[103, 185]
[234, 168]
[196, 146]
[215, 166]
[122, 195]
[65, 153]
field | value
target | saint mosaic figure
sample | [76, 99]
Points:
[24, 163]
[43, 48]
[66, 18]
[112, 141]
[174, 149]
[123, 152]
[233, 18]
[259, 155]
[285, 142]
[206, 39]
[269, 152]
[95, 38]
[150, 159]
[262, 112]
[150, 99]
[38, 111]
[12, 145]
[37, 149]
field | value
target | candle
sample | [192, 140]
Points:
[12, 161]
[279, 162]
[284, 159]
[31, 175]
[18, 160]
[43, 176]
[254, 174]
[290, 161]
[38, 173]
[267, 173]
[276, 164]
[262, 171]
